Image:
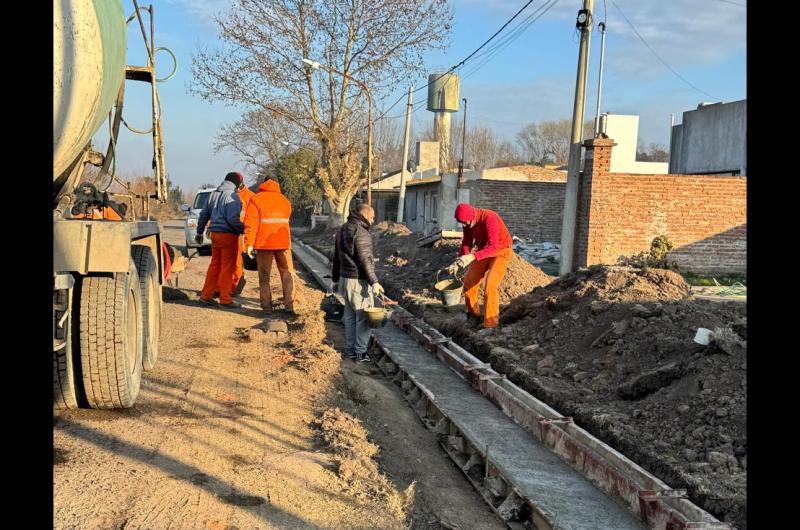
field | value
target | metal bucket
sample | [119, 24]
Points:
[376, 316]
[449, 290]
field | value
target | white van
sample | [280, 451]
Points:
[190, 227]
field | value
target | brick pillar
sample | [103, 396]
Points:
[597, 163]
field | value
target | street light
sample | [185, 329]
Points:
[297, 147]
[315, 65]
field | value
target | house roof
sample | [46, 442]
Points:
[540, 174]
[427, 180]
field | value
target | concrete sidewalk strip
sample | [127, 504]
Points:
[560, 492]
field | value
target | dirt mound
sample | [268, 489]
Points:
[390, 227]
[345, 435]
[601, 286]
[613, 347]
[355, 458]
[408, 272]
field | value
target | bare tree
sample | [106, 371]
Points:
[374, 41]
[549, 141]
[506, 155]
[484, 148]
[652, 153]
[388, 146]
[261, 140]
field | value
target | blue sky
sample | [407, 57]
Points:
[532, 79]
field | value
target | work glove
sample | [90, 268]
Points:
[251, 252]
[377, 289]
[198, 238]
[461, 262]
[465, 260]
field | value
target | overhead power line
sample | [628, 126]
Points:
[671, 69]
[463, 61]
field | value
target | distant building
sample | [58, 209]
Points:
[624, 129]
[529, 198]
[712, 140]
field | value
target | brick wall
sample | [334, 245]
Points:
[529, 209]
[619, 214]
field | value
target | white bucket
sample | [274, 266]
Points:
[703, 336]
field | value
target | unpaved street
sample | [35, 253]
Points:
[226, 434]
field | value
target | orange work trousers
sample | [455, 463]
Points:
[239, 271]
[223, 264]
[493, 269]
[283, 258]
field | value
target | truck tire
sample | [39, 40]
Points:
[111, 338]
[66, 380]
[151, 302]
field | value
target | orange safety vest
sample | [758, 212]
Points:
[244, 195]
[266, 223]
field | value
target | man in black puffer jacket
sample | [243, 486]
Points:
[354, 278]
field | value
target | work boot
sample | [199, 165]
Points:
[474, 320]
[210, 302]
[365, 358]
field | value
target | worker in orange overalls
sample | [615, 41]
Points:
[245, 195]
[487, 233]
[222, 214]
[267, 237]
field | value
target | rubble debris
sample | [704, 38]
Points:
[242, 334]
[276, 330]
[545, 255]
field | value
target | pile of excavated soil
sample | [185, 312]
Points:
[408, 272]
[613, 347]
[355, 459]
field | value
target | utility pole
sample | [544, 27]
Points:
[584, 22]
[401, 201]
[463, 143]
[602, 27]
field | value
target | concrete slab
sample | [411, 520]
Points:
[560, 492]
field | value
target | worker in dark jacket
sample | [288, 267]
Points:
[222, 213]
[487, 233]
[355, 280]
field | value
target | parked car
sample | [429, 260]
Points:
[190, 226]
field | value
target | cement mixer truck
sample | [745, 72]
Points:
[108, 262]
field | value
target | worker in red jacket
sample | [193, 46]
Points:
[486, 232]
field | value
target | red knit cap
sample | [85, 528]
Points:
[465, 213]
